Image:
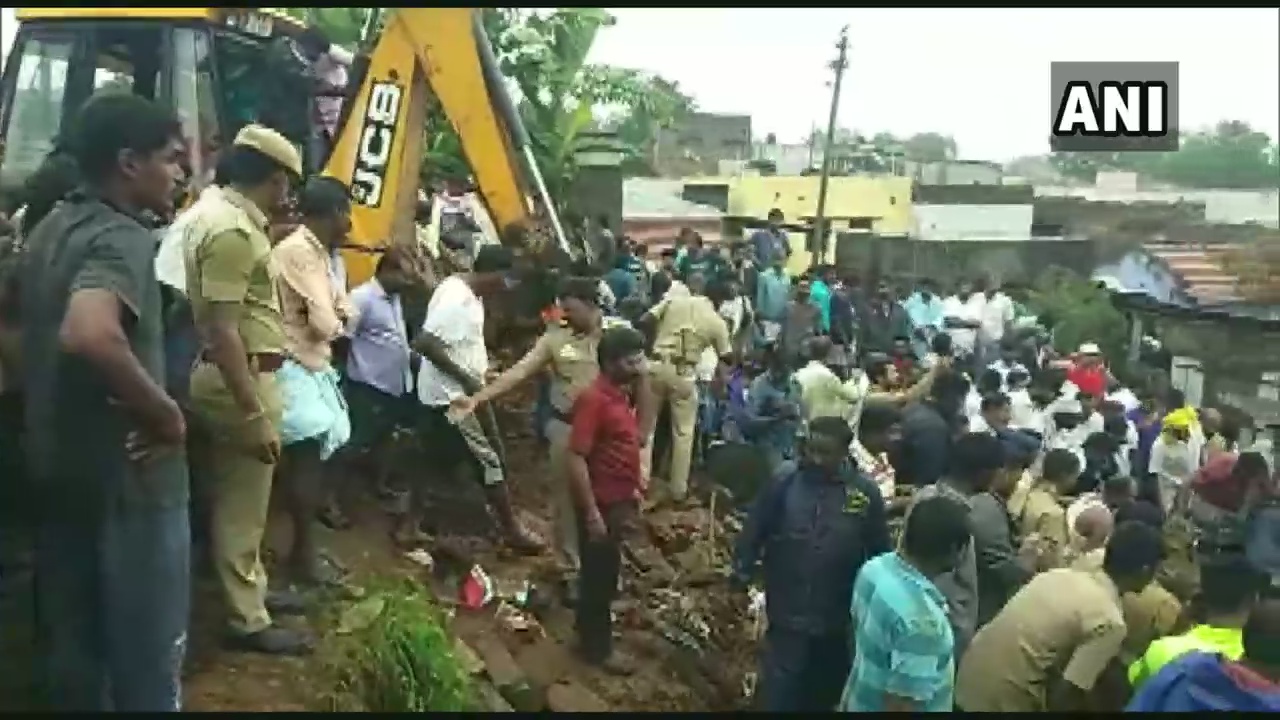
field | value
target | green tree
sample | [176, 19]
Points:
[1079, 312]
[929, 147]
[1230, 155]
[543, 56]
[877, 153]
[662, 106]
[342, 25]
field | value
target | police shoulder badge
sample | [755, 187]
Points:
[855, 501]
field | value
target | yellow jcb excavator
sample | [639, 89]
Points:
[204, 62]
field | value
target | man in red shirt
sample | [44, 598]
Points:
[1227, 483]
[604, 470]
[1089, 374]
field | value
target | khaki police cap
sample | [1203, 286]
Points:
[272, 144]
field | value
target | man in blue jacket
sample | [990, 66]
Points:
[815, 526]
[1203, 682]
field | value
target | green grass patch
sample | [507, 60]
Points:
[395, 654]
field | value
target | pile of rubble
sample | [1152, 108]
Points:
[680, 591]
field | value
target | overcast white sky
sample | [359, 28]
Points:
[980, 75]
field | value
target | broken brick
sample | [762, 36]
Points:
[491, 700]
[506, 674]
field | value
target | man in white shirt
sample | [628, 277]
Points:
[1005, 363]
[994, 415]
[996, 314]
[1023, 413]
[1120, 394]
[331, 72]
[1173, 460]
[961, 316]
[182, 342]
[823, 393]
[455, 362]
[170, 261]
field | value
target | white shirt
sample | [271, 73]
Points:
[456, 316]
[1066, 440]
[978, 424]
[877, 467]
[972, 404]
[962, 339]
[606, 294]
[1004, 369]
[705, 370]
[1126, 398]
[1127, 447]
[996, 313]
[1023, 414]
[1073, 439]
[329, 108]
[734, 311]
[171, 257]
[1172, 459]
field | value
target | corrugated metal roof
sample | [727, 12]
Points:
[659, 233]
[1201, 270]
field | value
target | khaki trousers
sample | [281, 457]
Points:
[564, 510]
[673, 388]
[240, 493]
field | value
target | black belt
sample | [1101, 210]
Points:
[562, 416]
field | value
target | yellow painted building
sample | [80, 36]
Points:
[886, 198]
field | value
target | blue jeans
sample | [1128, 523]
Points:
[181, 346]
[801, 673]
[112, 604]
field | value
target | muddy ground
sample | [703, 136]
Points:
[689, 638]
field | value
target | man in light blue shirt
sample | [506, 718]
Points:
[379, 369]
[773, 292]
[820, 295]
[771, 243]
[924, 307]
[903, 644]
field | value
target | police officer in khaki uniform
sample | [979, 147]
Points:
[567, 350]
[686, 325]
[1037, 509]
[233, 389]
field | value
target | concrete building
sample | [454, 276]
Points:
[788, 158]
[653, 212]
[971, 223]
[703, 140]
[954, 172]
[1226, 207]
[963, 231]
[1222, 333]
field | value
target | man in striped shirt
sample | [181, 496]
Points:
[905, 650]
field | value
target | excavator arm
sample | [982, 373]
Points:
[421, 55]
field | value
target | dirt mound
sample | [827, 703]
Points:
[692, 640]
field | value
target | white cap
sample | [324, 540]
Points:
[1089, 349]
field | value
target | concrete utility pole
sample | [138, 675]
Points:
[820, 222]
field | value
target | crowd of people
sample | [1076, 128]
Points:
[945, 515]
[956, 518]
